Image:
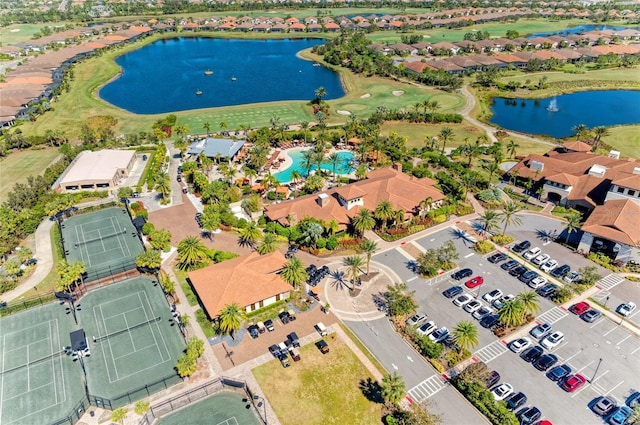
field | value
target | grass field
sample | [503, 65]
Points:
[319, 385]
[626, 139]
[613, 74]
[16, 167]
[18, 33]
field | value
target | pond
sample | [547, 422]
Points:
[344, 166]
[592, 108]
[192, 73]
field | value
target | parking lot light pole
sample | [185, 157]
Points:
[263, 404]
[596, 372]
[606, 300]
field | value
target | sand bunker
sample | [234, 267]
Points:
[398, 92]
[366, 95]
[343, 112]
[15, 30]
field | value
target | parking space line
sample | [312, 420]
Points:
[624, 339]
[405, 254]
[633, 314]
[469, 255]
[573, 355]
[634, 351]
[585, 366]
[600, 376]
[597, 322]
[610, 330]
[598, 388]
[580, 390]
[412, 279]
[619, 383]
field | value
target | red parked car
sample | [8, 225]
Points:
[573, 382]
[579, 308]
[476, 281]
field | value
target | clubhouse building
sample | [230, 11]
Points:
[100, 170]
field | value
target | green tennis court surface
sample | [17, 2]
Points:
[225, 408]
[134, 356]
[38, 381]
[105, 241]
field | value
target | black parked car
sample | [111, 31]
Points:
[545, 362]
[558, 373]
[547, 290]
[518, 271]
[284, 317]
[490, 321]
[509, 265]
[528, 276]
[590, 316]
[269, 325]
[492, 379]
[521, 246]
[559, 272]
[461, 274]
[530, 416]
[531, 354]
[452, 292]
[516, 400]
[253, 331]
[497, 257]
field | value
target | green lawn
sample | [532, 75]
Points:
[18, 33]
[17, 166]
[626, 139]
[326, 388]
[612, 74]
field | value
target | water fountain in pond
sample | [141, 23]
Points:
[553, 106]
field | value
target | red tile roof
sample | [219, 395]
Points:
[617, 220]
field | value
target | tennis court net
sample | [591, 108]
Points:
[40, 360]
[99, 238]
[128, 329]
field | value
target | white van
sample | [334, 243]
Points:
[321, 328]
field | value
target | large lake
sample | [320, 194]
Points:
[164, 76]
[592, 108]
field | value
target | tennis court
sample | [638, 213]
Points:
[105, 241]
[135, 340]
[39, 382]
[225, 408]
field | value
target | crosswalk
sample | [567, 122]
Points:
[491, 351]
[426, 388]
[609, 281]
[552, 316]
[601, 296]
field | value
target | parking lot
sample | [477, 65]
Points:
[584, 345]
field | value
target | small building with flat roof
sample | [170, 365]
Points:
[216, 148]
[101, 170]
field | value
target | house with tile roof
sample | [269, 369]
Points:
[341, 204]
[252, 281]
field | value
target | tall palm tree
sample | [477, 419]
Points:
[210, 222]
[393, 388]
[268, 244]
[512, 148]
[383, 212]
[250, 173]
[489, 221]
[398, 217]
[334, 159]
[207, 127]
[445, 134]
[307, 161]
[320, 92]
[598, 133]
[294, 272]
[296, 176]
[223, 125]
[191, 252]
[369, 248]
[512, 313]
[433, 107]
[509, 217]
[465, 334]
[492, 168]
[581, 131]
[163, 184]
[363, 221]
[529, 301]
[304, 125]
[250, 234]
[311, 234]
[230, 318]
[572, 224]
[354, 264]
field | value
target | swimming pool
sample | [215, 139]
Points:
[343, 167]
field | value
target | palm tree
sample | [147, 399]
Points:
[334, 159]
[207, 127]
[296, 176]
[529, 301]
[581, 131]
[230, 318]
[492, 168]
[304, 125]
[383, 212]
[250, 234]
[250, 173]
[369, 247]
[465, 334]
[511, 313]
[512, 147]
[311, 234]
[433, 107]
[354, 264]
[398, 217]
[361, 171]
[191, 252]
[320, 92]
[392, 388]
[307, 161]
[223, 125]
[363, 221]
[598, 133]
[572, 225]
[268, 244]
[489, 221]
[163, 184]
[210, 222]
[294, 272]
[509, 216]
[445, 134]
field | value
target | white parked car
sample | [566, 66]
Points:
[462, 300]
[541, 259]
[571, 277]
[482, 312]
[538, 282]
[472, 306]
[427, 328]
[532, 253]
[500, 302]
[551, 341]
[517, 345]
[439, 335]
[502, 391]
[491, 296]
[549, 265]
[626, 309]
[416, 319]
